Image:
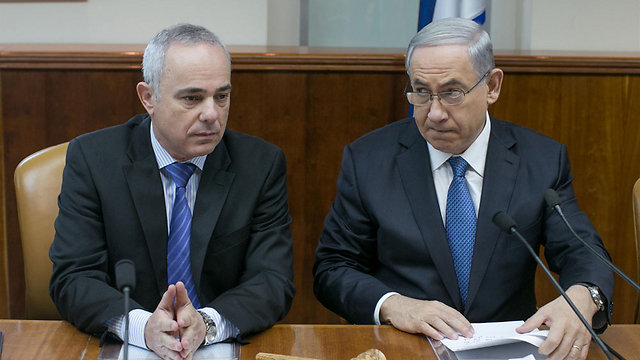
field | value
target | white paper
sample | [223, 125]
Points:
[496, 333]
[513, 351]
[218, 351]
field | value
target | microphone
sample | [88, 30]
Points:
[126, 282]
[553, 200]
[508, 225]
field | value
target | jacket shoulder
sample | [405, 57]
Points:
[511, 134]
[110, 137]
[245, 144]
[387, 135]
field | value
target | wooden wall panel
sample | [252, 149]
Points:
[313, 103]
[311, 116]
[596, 117]
[44, 108]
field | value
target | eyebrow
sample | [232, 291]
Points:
[451, 82]
[197, 90]
[224, 88]
[189, 90]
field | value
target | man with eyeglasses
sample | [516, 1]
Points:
[409, 239]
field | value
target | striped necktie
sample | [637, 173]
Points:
[178, 247]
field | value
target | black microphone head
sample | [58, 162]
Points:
[551, 197]
[504, 222]
[125, 274]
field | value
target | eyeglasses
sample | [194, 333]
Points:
[449, 97]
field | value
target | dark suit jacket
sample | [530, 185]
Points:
[384, 231]
[112, 207]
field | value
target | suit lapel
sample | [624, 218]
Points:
[145, 186]
[213, 189]
[499, 181]
[417, 179]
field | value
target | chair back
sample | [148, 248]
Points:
[38, 179]
[636, 222]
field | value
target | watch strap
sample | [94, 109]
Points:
[211, 330]
[595, 295]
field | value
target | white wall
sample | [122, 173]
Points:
[508, 24]
[237, 22]
[283, 22]
[597, 25]
[611, 25]
[362, 23]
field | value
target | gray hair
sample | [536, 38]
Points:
[451, 31]
[153, 61]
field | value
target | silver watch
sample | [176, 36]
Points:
[210, 332]
[595, 295]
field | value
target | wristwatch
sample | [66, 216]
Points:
[210, 333]
[595, 295]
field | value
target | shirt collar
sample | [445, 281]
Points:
[163, 158]
[475, 155]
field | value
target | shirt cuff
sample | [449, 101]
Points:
[224, 328]
[137, 322]
[376, 312]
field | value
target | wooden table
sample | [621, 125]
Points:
[31, 339]
[342, 342]
[27, 339]
[337, 342]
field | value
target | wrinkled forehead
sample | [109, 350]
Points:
[183, 54]
[440, 59]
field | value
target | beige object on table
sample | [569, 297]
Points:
[268, 356]
[371, 354]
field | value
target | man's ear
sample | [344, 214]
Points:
[494, 83]
[145, 94]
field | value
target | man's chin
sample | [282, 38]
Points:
[442, 145]
[204, 150]
[199, 150]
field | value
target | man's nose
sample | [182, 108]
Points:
[209, 111]
[437, 111]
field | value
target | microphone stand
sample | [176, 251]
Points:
[507, 224]
[126, 291]
[126, 281]
[553, 200]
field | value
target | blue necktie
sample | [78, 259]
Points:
[178, 247]
[461, 224]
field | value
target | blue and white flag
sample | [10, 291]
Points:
[438, 9]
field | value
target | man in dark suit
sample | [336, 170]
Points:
[409, 239]
[121, 198]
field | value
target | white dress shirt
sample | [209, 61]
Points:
[476, 156]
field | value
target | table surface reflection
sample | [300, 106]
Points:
[35, 339]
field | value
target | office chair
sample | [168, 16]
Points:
[38, 179]
[636, 222]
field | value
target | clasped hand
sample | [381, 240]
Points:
[175, 329]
